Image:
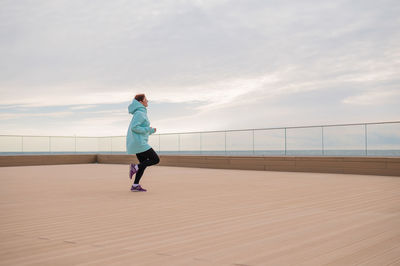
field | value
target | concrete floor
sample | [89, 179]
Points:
[86, 215]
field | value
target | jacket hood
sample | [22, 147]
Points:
[135, 105]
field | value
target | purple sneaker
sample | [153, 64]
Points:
[132, 170]
[138, 189]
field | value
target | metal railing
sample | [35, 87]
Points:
[360, 139]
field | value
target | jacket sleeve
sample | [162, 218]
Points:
[136, 127]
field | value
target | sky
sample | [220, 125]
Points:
[72, 67]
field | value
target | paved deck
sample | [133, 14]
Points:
[86, 215]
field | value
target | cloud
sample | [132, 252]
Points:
[66, 97]
[212, 59]
[80, 107]
[373, 98]
[5, 116]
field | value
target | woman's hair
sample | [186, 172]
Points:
[140, 97]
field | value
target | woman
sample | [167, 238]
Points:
[136, 140]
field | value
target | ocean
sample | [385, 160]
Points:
[371, 153]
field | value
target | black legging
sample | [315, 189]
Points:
[146, 158]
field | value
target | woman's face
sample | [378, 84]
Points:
[145, 102]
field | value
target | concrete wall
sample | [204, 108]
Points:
[24, 160]
[389, 166]
[117, 158]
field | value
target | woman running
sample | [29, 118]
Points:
[136, 140]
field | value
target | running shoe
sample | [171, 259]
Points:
[132, 170]
[138, 189]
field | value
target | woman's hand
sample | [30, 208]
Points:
[155, 129]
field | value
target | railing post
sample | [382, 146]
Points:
[111, 145]
[366, 139]
[22, 143]
[179, 143]
[201, 147]
[253, 143]
[49, 144]
[75, 143]
[159, 144]
[225, 142]
[322, 139]
[285, 141]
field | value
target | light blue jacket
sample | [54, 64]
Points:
[139, 129]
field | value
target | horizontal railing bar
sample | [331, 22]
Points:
[220, 131]
[275, 128]
[46, 136]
